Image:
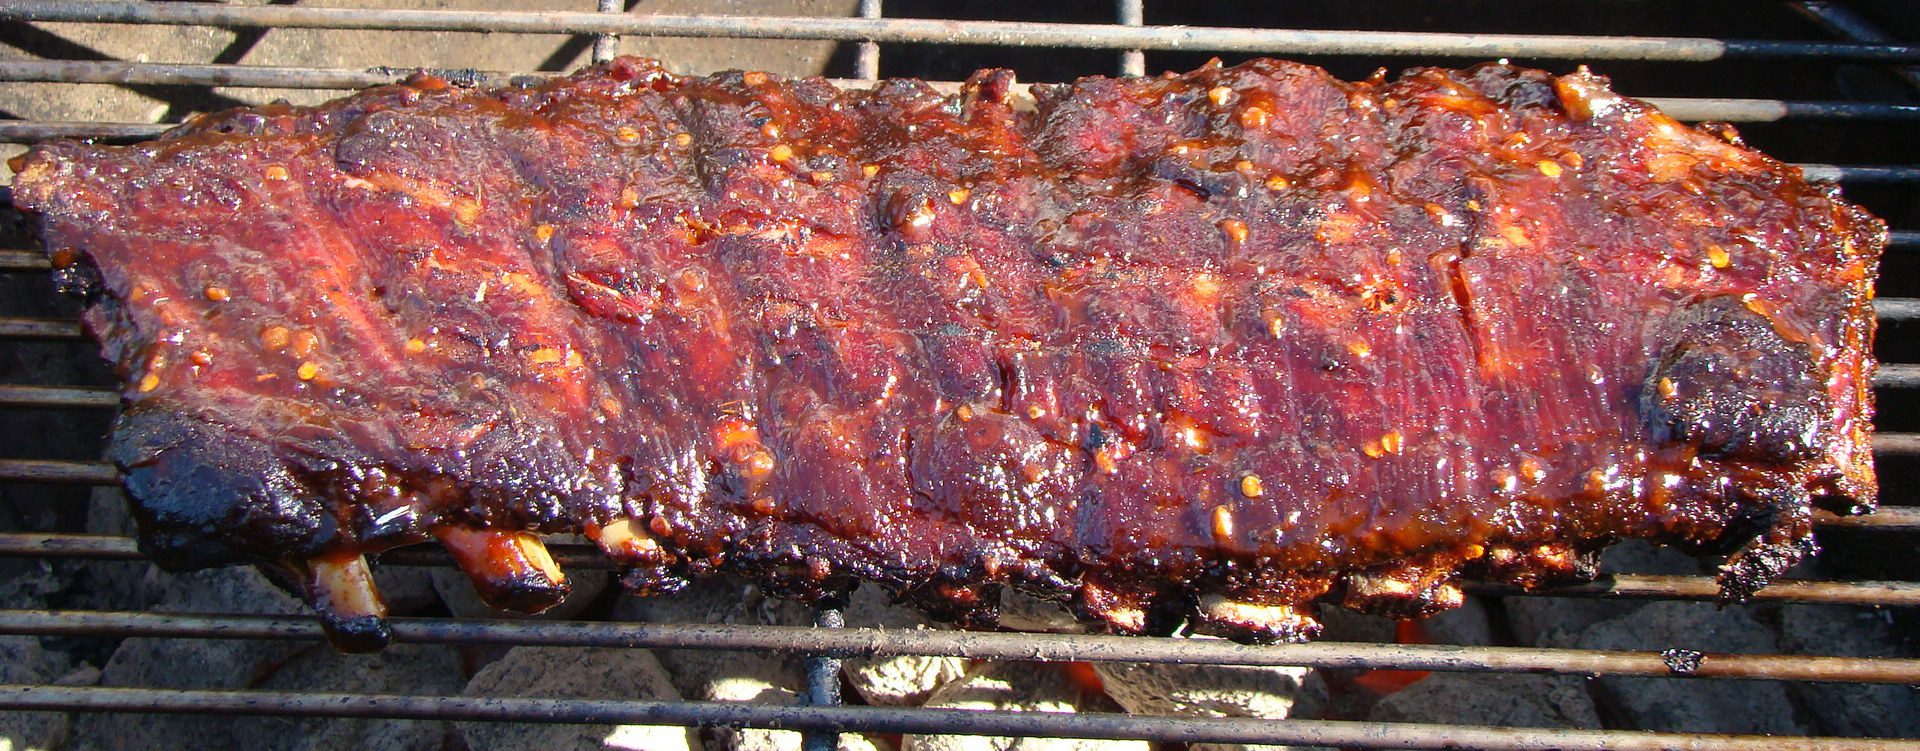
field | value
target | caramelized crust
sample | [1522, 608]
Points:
[1207, 346]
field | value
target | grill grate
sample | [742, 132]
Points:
[827, 640]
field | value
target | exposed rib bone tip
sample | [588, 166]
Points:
[509, 570]
[351, 611]
[624, 540]
[1255, 621]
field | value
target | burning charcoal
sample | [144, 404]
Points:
[753, 739]
[1682, 705]
[401, 669]
[699, 672]
[1023, 612]
[116, 585]
[760, 739]
[1535, 701]
[1467, 626]
[1341, 624]
[576, 673]
[408, 590]
[1012, 687]
[191, 663]
[1214, 691]
[22, 660]
[895, 681]
[1852, 709]
[1558, 621]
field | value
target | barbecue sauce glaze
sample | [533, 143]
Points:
[1202, 348]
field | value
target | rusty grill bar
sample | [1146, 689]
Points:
[826, 641]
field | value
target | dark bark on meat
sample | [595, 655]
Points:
[1201, 347]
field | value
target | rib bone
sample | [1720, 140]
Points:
[510, 570]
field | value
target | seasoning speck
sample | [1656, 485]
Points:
[275, 337]
[1251, 487]
[1236, 230]
[1222, 523]
[307, 371]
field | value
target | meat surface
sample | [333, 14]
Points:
[1202, 348]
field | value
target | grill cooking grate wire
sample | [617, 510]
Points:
[827, 640]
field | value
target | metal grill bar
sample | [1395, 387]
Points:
[1705, 588]
[53, 470]
[1612, 587]
[190, 74]
[1861, 174]
[40, 328]
[934, 31]
[886, 720]
[1774, 110]
[28, 131]
[866, 55]
[605, 46]
[24, 260]
[1133, 13]
[58, 544]
[1888, 517]
[1849, 25]
[1897, 308]
[1897, 375]
[1896, 444]
[853, 643]
[823, 681]
[55, 397]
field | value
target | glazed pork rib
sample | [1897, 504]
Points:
[1200, 348]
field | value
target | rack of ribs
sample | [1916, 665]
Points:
[1198, 349]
